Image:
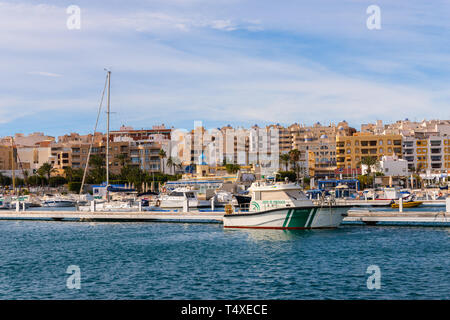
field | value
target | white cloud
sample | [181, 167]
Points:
[45, 74]
[182, 60]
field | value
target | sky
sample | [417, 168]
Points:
[238, 62]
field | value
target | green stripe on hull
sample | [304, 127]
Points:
[298, 218]
[287, 217]
[313, 215]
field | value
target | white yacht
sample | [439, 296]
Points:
[177, 198]
[284, 206]
[58, 203]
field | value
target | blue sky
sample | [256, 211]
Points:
[237, 62]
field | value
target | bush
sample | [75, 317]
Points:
[281, 175]
[57, 181]
[74, 186]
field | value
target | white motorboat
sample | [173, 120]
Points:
[222, 198]
[58, 203]
[110, 206]
[284, 206]
[178, 197]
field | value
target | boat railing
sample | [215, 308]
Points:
[244, 207]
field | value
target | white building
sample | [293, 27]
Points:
[393, 166]
[389, 166]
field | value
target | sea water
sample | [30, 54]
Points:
[204, 261]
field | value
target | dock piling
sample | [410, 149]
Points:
[93, 206]
[447, 204]
[400, 204]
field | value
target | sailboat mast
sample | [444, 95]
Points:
[107, 135]
[13, 166]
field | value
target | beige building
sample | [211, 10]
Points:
[350, 150]
[6, 156]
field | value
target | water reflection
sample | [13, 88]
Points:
[275, 234]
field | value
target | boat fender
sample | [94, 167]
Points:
[158, 203]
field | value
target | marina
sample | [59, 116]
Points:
[439, 217]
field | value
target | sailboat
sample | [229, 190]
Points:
[106, 204]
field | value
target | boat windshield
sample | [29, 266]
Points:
[296, 195]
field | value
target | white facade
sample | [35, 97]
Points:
[431, 153]
[389, 166]
[393, 166]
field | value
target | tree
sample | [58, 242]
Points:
[294, 156]
[232, 168]
[122, 158]
[370, 162]
[162, 155]
[284, 159]
[282, 175]
[45, 170]
[97, 174]
[171, 163]
[68, 173]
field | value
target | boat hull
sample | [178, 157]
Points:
[58, 204]
[288, 218]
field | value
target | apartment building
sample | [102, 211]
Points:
[321, 141]
[157, 133]
[430, 153]
[6, 156]
[144, 155]
[350, 150]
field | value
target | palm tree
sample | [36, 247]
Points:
[68, 173]
[370, 162]
[162, 155]
[171, 163]
[285, 158]
[98, 171]
[46, 170]
[294, 156]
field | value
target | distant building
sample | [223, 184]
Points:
[351, 150]
[390, 166]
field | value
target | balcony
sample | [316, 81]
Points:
[435, 143]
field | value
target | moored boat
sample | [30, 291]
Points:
[284, 206]
[408, 204]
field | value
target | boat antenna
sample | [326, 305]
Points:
[93, 136]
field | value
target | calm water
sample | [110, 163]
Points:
[203, 261]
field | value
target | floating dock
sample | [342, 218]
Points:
[355, 217]
[111, 216]
[422, 218]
